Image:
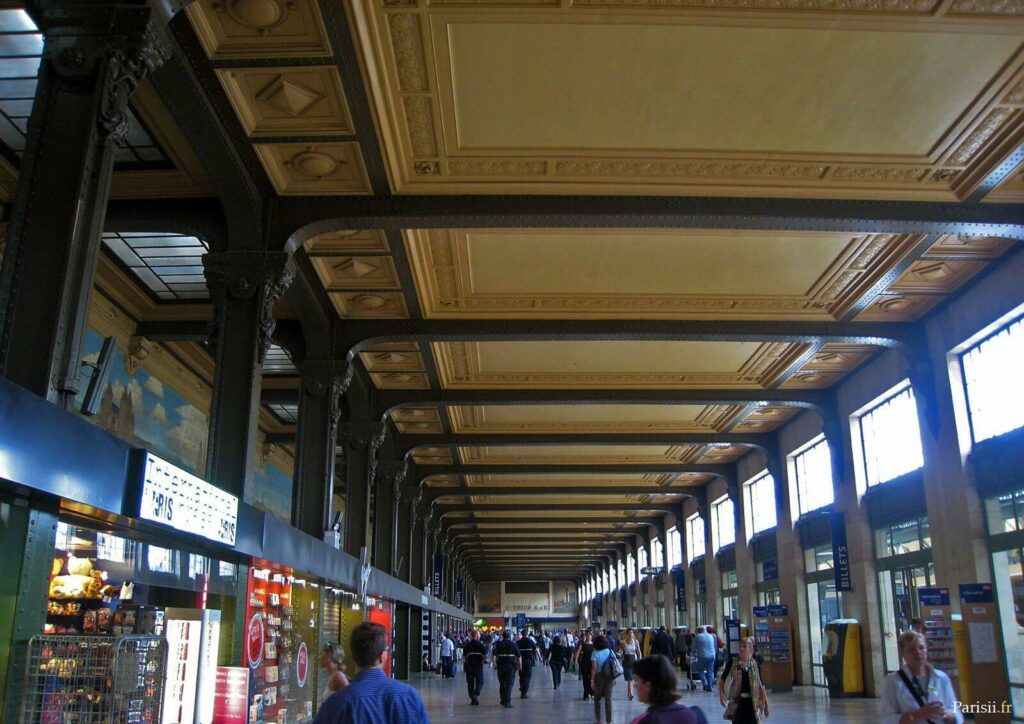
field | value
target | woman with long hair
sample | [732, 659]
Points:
[656, 687]
[582, 657]
[331, 660]
[629, 647]
[740, 689]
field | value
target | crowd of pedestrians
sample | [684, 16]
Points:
[917, 692]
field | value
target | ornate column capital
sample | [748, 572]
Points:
[262, 276]
[129, 40]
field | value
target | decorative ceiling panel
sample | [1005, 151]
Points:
[723, 454]
[829, 364]
[314, 169]
[519, 97]
[578, 454]
[339, 273]
[648, 273]
[765, 419]
[393, 357]
[419, 420]
[613, 364]
[432, 456]
[347, 242]
[591, 418]
[259, 28]
[288, 101]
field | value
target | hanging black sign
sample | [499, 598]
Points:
[840, 552]
[680, 579]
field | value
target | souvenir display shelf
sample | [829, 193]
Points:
[94, 679]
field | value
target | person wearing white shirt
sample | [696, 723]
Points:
[918, 692]
[447, 652]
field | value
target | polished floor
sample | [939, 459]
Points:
[447, 701]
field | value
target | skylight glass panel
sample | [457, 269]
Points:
[170, 266]
[285, 413]
[278, 362]
[21, 50]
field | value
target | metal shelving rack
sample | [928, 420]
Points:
[94, 679]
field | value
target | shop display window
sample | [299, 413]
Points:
[281, 645]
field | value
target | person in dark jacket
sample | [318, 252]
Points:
[656, 687]
[558, 659]
[663, 644]
[528, 649]
[507, 660]
[474, 653]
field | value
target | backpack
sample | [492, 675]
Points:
[611, 669]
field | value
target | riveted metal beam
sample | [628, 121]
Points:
[434, 494]
[359, 335]
[311, 216]
[580, 523]
[406, 444]
[390, 400]
[444, 509]
[716, 470]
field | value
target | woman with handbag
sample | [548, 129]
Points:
[740, 689]
[629, 647]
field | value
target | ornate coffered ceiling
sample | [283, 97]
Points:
[614, 364]
[732, 98]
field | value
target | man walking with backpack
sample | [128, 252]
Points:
[605, 669]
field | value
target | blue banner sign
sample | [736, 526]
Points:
[598, 606]
[760, 612]
[623, 599]
[771, 570]
[840, 552]
[458, 593]
[778, 610]
[651, 570]
[520, 621]
[933, 596]
[976, 593]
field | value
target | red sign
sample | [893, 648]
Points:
[230, 695]
[254, 640]
[302, 664]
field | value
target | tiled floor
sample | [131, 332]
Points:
[447, 701]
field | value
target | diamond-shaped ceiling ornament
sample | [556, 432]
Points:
[359, 268]
[289, 97]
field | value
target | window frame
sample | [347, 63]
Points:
[749, 507]
[716, 524]
[965, 350]
[860, 442]
[690, 538]
[794, 460]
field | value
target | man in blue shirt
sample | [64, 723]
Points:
[372, 697]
